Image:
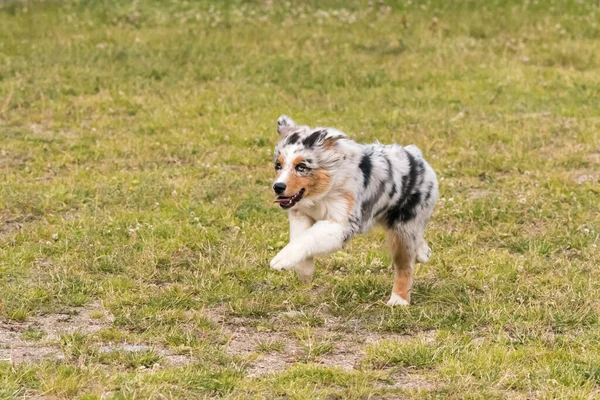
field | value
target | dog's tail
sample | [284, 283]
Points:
[414, 150]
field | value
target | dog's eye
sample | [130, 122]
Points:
[301, 168]
[277, 166]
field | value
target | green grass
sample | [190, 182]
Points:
[136, 165]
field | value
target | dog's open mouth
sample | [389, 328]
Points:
[286, 202]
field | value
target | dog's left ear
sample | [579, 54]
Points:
[284, 125]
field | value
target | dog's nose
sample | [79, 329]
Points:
[279, 187]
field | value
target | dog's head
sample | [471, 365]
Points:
[305, 160]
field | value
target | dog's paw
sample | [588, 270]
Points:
[305, 271]
[423, 253]
[396, 300]
[283, 261]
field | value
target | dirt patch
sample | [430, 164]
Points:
[245, 342]
[345, 341]
[13, 225]
[15, 347]
[267, 345]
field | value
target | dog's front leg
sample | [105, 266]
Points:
[323, 237]
[298, 224]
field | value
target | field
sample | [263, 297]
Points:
[137, 223]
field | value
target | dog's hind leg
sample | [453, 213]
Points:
[305, 269]
[404, 252]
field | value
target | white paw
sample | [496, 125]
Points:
[423, 253]
[285, 259]
[280, 263]
[396, 300]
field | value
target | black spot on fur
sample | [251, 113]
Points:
[354, 227]
[379, 212]
[354, 221]
[408, 210]
[409, 180]
[420, 167]
[429, 189]
[389, 169]
[367, 206]
[391, 177]
[365, 166]
[405, 208]
[293, 138]
[313, 138]
[347, 236]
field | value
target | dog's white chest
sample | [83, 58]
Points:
[332, 208]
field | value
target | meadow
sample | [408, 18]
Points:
[136, 214]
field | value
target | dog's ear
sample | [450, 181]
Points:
[285, 125]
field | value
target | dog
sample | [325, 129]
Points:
[334, 188]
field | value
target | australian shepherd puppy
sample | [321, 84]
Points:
[334, 188]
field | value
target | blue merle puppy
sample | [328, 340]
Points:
[334, 188]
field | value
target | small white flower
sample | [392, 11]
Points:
[192, 214]
[174, 193]
[522, 200]
[586, 230]
[55, 236]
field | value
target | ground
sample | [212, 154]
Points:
[137, 223]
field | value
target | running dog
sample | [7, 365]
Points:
[334, 188]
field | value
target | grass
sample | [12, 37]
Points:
[136, 164]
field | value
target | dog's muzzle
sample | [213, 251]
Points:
[286, 202]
